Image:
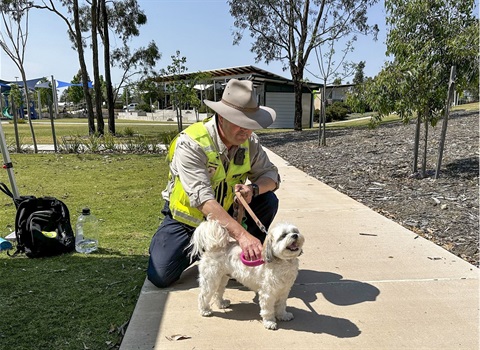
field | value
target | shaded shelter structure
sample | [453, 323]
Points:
[272, 90]
[34, 84]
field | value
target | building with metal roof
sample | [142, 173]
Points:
[272, 90]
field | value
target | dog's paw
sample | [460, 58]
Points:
[272, 325]
[206, 313]
[223, 304]
[286, 316]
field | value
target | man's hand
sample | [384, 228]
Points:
[251, 247]
[246, 192]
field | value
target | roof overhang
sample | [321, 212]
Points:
[222, 75]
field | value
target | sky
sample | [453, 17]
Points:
[200, 29]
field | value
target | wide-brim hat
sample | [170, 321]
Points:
[239, 106]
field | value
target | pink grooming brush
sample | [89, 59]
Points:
[251, 263]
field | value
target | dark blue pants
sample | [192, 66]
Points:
[168, 257]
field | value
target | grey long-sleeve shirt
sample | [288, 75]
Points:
[190, 163]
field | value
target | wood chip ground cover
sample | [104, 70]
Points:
[375, 167]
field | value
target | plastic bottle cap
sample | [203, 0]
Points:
[85, 211]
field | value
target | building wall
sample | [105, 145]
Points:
[284, 105]
[277, 95]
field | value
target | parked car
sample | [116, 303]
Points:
[131, 107]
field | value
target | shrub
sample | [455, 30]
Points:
[337, 111]
[145, 107]
[128, 131]
[204, 109]
[93, 143]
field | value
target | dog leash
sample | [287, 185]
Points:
[250, 211]
[243, 205]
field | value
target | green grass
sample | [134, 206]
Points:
[467, 107]
[79, 126]
[78, 301]
[66, 127]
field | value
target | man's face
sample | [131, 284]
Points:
[233, 134]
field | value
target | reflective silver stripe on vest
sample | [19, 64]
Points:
[221, 192]
[210, 148]
[186, 217]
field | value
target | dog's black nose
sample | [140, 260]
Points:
[295, 236]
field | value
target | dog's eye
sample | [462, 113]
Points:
[285, 234]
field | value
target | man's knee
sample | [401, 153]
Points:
[168, 258]
[272, 201]
[161, 277]
[159, 280]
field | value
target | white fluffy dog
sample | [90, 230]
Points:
[220, 260]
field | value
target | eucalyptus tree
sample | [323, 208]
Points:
[152, 91]
[13, 41]
[104, 34]
[124, 18]
[75, 93]
[426, 38]
[356, 98]
[46, 94]
[359, 76]
[288, 30]
[139, 62]
[69, 12]
[73, 14]
[94, 19]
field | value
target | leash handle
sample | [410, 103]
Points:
[250, 211]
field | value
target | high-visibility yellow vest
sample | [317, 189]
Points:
[222, 183]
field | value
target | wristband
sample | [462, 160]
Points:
[255, 189]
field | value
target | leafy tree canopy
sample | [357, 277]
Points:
[425, 39]
[289, 30]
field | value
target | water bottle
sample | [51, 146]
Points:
[86, 232]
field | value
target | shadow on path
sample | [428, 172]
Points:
[309, 283]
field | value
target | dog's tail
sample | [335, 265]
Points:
[210, 235]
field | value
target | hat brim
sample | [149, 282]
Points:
[262, 118]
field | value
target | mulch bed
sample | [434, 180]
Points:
[374, 166]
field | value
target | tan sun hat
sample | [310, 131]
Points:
[239, 106]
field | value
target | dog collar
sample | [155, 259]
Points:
[251, 263]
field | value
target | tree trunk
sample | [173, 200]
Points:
[416, 143]
[323, 117]
[15, 126]
[450, 96]
[52, 124]
[108, 75]
[96, 73]
[297, 89]
[83, 68]
[27, 102]
[179, 118]
[425, 144]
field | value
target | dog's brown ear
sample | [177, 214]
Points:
[268, 249]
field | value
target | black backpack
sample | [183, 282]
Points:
[42, 226]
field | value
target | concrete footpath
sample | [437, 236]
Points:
[365, 282]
